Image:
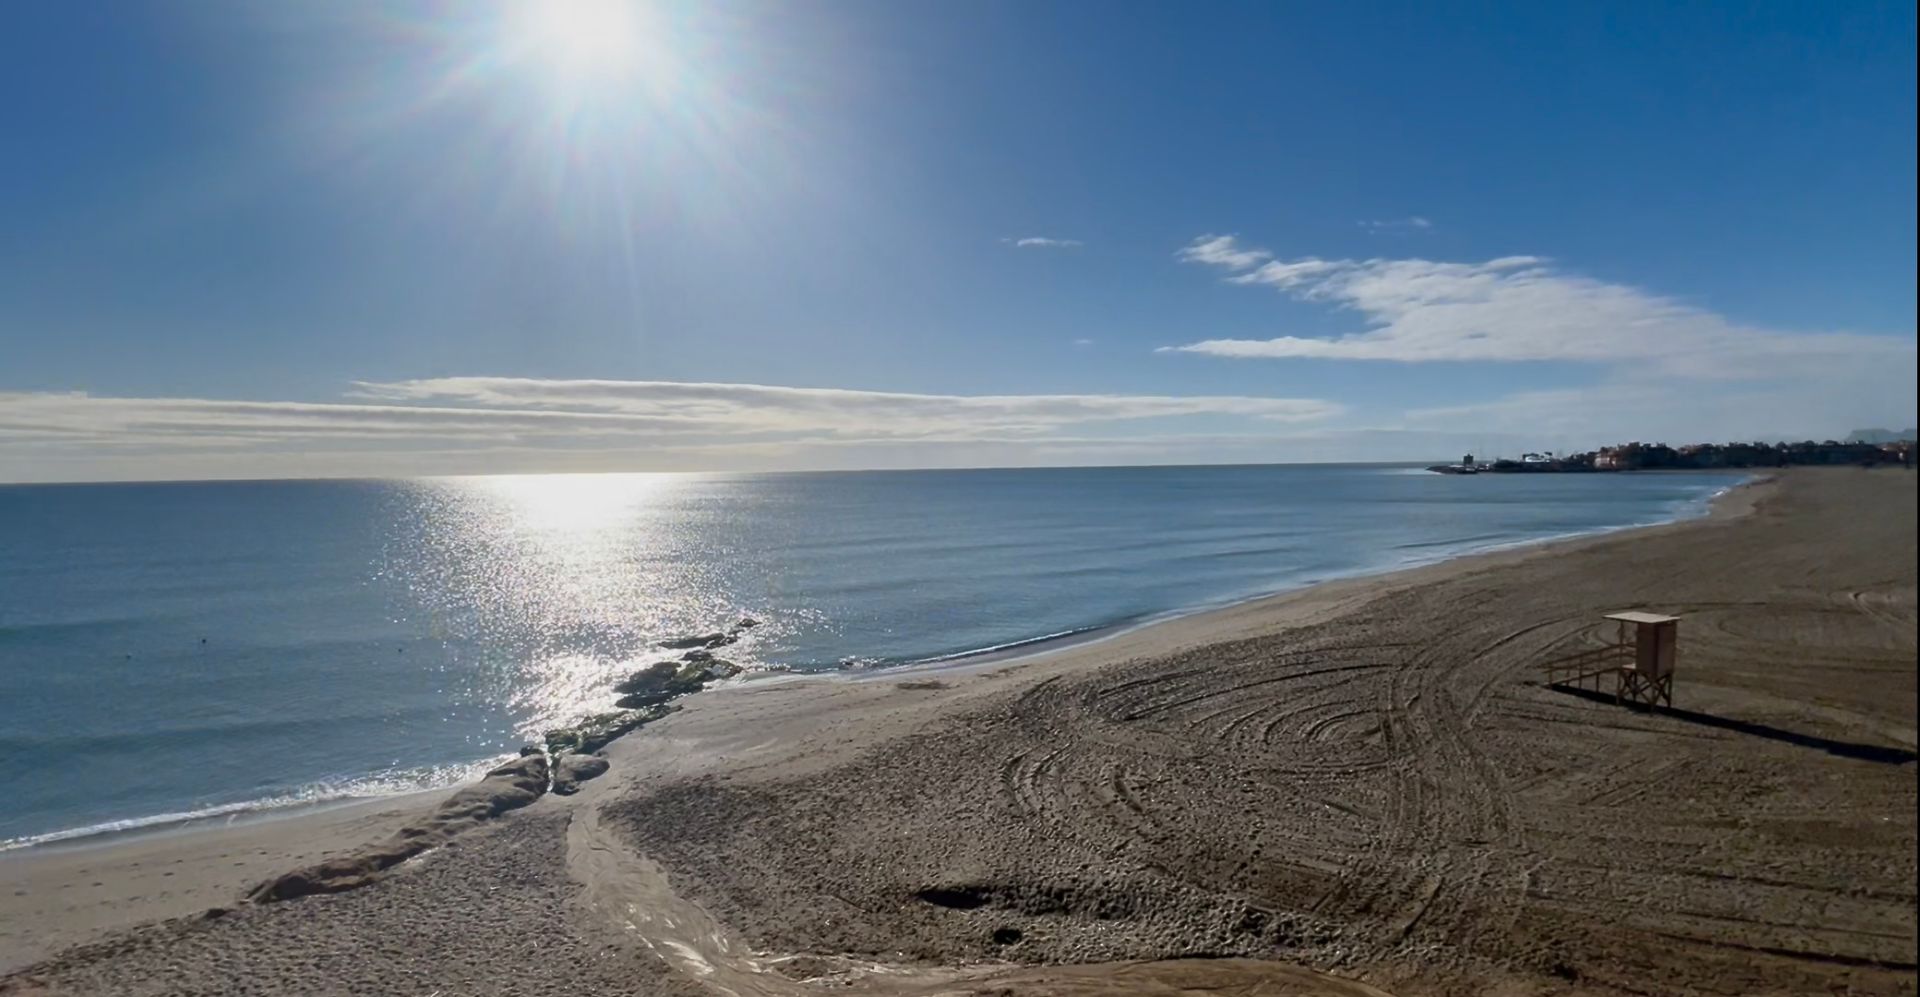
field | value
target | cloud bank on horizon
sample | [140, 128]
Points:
[474, 424]
[1662, 366]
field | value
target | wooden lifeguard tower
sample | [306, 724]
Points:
[1639, 661]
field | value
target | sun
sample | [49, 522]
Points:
[583, 39]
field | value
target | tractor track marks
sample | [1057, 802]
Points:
[1395, 784]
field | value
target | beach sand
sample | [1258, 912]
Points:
[1356, 789]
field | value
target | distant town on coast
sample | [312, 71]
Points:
[1866, 447]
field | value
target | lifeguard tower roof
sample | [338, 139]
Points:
[1635, 616]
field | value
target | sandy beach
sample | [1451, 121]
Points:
[1359, 788]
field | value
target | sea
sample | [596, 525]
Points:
[183, 651]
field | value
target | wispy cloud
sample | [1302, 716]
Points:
[1516, 308]
[1660, 368]
[840, 409]
[1043, 242]
[506, 456]
[647, 421]
[1411, 223]
[1222, 251]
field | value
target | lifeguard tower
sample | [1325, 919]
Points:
[1639, 662]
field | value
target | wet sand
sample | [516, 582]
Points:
[1363, 779]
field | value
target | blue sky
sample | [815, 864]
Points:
[372, 238]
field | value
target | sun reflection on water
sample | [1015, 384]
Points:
[575, 505]
[547, 589]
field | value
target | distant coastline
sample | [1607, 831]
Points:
[1697, 457]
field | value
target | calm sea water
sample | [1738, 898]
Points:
[172, 649]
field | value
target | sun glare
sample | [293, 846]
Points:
[583, 38]
[586, 41]
[601, 112]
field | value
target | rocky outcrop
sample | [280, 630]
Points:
[597, 731]
[665, 680]
[568, 758]
[658, 683]
[569, 771]
[509, 787]
[718, 638]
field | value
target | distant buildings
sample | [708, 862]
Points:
[1641, 456]
[1696, 456]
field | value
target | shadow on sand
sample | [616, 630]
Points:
[1845, 749]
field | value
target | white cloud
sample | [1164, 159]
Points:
[1042, 242]
[1660, 368]
[568, 421]
[760, 406]
[1518, 308]
[1411, 223]
[1222, 251]
[50, 416]
[1083, 341]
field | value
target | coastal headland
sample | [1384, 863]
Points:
[1360, 788]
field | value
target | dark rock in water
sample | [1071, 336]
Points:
[572, 770]
[598, 731]
[649, 679]
[700, 655]
[698, 640]
[654, 684]
[530, 749]
[664, 680]
[713, 639]
[508, 787]
[694, 675]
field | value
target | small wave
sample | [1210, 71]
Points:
[46, 629]
[1009, 645]
[1454, 541]
[860, 663]
[392, 782]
